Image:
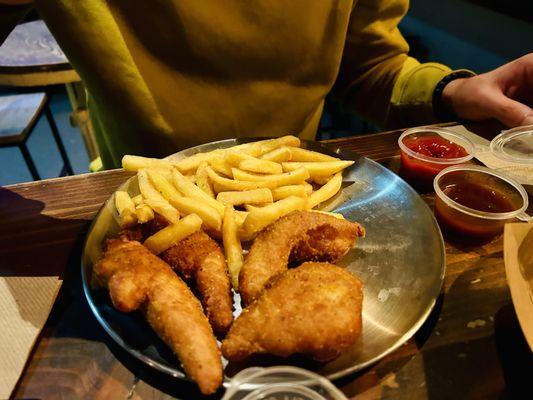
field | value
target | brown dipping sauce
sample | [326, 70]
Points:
[478, 197]
[468, 229]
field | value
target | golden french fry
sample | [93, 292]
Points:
[245, 236]
[220, 166]
[191, 164]
[240, 216]
[235, 158]
[167, 190]
[188, 205]
[202, 180]
[264, 216]
[271, 181]
[260, 166]
[172, 234]
[189, 189]
[135, 163]
[272, 144]
[232, 246]
[308, 188]
[146, 188]
[256, 149]
[154, 199]
[322, 180]
[252, 207]
[254, 196]
[278, 155]
[252, 149]
[289, 190]
[128, 220]
[336, 215]
[163, 208]
[299, 154]
[164, 172]
[318, 169]
[144, 213]
[137, 200]
[326, 192]
[221, 184]
[126, 209]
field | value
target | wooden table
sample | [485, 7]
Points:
[470, 347]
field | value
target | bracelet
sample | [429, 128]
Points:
[438, 108]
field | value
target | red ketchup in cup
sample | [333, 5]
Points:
[427, 151]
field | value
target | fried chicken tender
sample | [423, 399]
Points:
[314, 310]
[297, 237]
[200, 257]
[137, 279]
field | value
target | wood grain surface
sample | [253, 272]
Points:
[471, 346]
[18, 115]
[30, 56]
[31, 46]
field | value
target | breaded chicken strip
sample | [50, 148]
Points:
[297, 237]
[314, 310]
[137, 279]
[200, 257]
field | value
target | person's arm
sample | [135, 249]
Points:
[11, 12]
[377, 78]
[380, 81]
[505, 93]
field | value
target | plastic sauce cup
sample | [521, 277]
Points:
[473, 203]
[281, 383]
[419, 167]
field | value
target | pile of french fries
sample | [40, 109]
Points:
[232, 193]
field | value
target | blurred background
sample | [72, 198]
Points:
[476, 34]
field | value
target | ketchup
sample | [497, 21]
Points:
[420, 173]
[464, 228]
[436, 147]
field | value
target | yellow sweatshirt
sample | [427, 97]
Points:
[163, 75]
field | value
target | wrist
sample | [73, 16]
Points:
[446, 91]
[448, 94]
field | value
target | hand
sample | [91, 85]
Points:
[505, 93]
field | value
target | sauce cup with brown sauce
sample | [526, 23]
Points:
[473, 203]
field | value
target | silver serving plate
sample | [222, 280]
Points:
[401, 262]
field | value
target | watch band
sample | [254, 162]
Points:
[438, 108]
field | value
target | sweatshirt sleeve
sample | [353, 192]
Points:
[377, 78]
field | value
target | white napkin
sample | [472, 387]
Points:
[25, 303]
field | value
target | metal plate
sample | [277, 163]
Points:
[401, 262]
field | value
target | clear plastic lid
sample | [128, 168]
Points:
[514, 145]
[281, 383]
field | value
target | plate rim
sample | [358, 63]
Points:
[521, 293]
[176, 373]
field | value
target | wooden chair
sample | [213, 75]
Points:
[18, 117]
[31, 58]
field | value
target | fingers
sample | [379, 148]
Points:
[510, 112]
